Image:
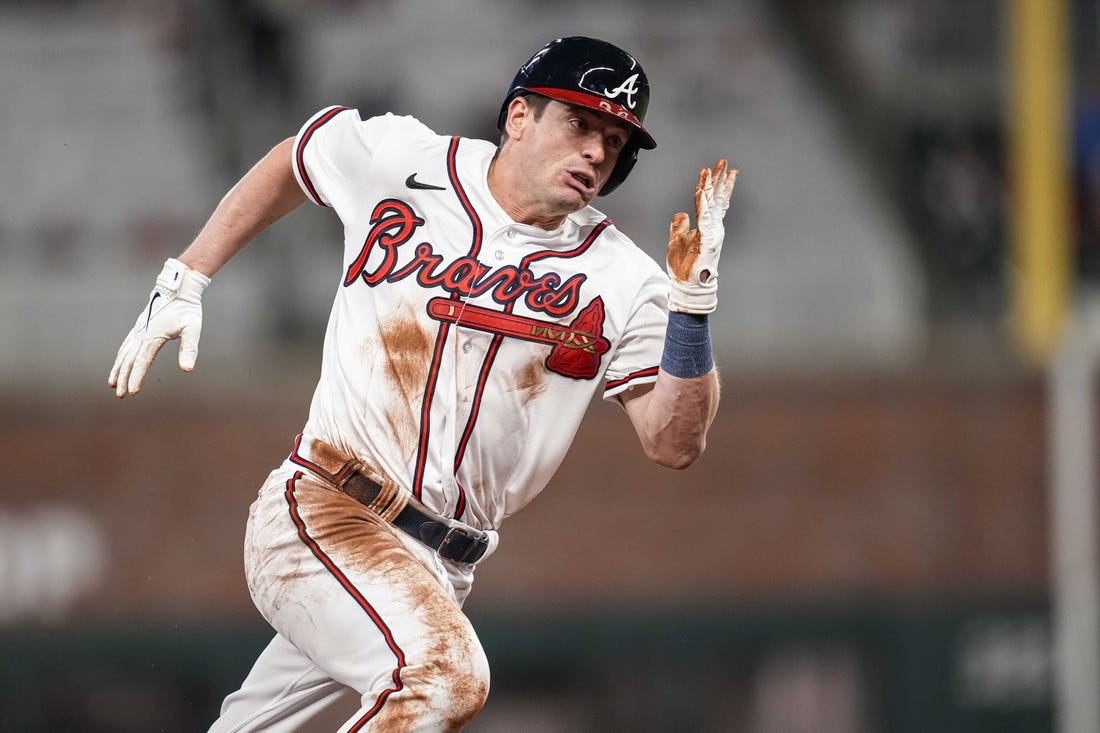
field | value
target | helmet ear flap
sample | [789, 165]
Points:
[627, 158]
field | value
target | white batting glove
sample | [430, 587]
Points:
[692, 258]
[174, 311]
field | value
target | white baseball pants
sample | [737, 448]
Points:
[370, 636]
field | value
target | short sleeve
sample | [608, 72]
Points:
[638, 356]
[334, 151]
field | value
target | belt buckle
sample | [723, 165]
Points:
[459, 545]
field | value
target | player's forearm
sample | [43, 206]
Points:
[673, 418]
[676, 416]
[265, 194]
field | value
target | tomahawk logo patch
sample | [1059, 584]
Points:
[576, 347]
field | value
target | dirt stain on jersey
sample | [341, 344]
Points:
[408, 349]
[530, 380]
[329, 457]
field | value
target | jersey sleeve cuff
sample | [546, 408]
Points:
[643, 376]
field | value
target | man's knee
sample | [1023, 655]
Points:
[470, 686]
[458, 674]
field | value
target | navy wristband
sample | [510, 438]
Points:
[687, 351]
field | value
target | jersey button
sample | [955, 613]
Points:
[511, 234]
[466, 347]
[498, 254]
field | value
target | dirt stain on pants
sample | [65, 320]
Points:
[349, 593]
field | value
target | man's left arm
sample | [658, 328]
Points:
[672, 417]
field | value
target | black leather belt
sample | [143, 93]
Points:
[451, 542]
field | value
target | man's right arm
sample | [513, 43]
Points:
[265, 194]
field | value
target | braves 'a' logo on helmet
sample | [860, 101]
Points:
[595, 74]
[628, 87]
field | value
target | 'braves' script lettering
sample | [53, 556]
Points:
[393, 223]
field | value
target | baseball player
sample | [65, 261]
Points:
[482, 302]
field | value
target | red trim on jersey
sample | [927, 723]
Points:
[490, 355]
[426, 410]
[345, 582]
[299, 152]
[649, 372]
[336, 478]
[479, 392]
[429, 390]
[471, 212]
[568, 254]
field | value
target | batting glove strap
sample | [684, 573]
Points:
[176, 281]
[695, 298]
[174, 310]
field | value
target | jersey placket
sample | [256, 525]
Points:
[448, 344]
[477, 352]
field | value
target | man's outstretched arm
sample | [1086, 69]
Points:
[265, 194]
[673, 416]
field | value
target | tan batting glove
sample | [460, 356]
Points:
[692, 258]
[174, 311]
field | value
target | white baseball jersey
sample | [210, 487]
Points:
[463, 348]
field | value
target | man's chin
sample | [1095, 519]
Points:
[573, 200]
[584, 198]
[581, 193]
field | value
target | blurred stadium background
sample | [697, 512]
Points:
[873, 542]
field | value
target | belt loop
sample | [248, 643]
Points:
[390, 502]
[451, 540]
[325, 461]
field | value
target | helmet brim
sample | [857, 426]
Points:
[641, 136]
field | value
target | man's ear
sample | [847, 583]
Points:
[517, 117]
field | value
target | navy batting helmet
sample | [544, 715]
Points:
[590, 73]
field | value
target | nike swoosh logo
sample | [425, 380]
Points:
[411, 182]
[149, 313]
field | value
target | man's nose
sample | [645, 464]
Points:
[594, 149]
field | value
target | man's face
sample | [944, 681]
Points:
[568, 154]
